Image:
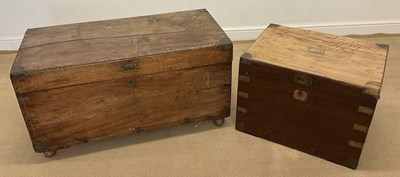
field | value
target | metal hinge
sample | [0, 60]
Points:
[303, 79]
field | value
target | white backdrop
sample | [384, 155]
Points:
[240, 19]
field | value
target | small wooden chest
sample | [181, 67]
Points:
[310, 91]
[87, 81]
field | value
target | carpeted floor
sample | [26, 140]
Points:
[200, 149]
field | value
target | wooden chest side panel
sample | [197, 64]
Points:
[61, 117]
[25, 82]
[327, 123]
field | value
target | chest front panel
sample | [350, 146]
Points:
[302, 111]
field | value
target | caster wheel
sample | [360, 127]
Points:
[219, 122]
[50, 154]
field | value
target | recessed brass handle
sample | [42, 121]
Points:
[129, 67]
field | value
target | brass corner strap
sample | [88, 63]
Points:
[372, 88]
[244, 78]
[241, 109]
[360, 128]
[365, 110]
[355, 144]
[243, 94]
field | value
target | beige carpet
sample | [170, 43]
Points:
[200, 149]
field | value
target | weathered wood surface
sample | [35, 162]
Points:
[353, 61]
[61, 117]
[82, 82]
[46, 53]
[93, 42]
[310, 91]
[25, 82]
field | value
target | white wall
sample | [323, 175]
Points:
[240, 19]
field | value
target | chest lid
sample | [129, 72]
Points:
[351, 61]
[57, 48]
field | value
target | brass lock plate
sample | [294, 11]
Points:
[300, 95]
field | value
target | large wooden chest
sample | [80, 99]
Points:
[310, 91]
[87, 81]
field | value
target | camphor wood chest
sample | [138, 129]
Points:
[310, 91]
[87, 81]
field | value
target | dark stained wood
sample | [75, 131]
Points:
[328, 122]
[82, 82]
[322, 124]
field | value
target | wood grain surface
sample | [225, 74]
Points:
[58, 118]
[26, 82]
[310, 91]
[88, 81]
[201, 149]
[50, 48]
[352, 61]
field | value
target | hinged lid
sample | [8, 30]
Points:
[83, 44]
[351, 61]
